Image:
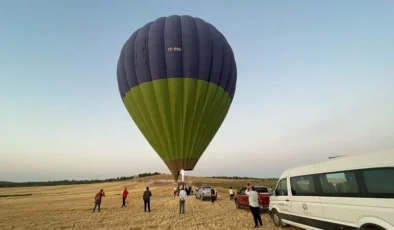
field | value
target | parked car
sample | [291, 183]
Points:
[204, 192]
[242, 200]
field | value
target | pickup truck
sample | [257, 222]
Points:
[242, 200]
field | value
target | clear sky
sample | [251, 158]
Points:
[315, 79]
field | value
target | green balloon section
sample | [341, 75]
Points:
[178, 115]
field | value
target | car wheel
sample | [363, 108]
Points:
[276, 218]
[237, 205]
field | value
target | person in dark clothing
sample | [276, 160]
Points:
[146, 198]
[124, 196]
[97, 200]
[213, 195]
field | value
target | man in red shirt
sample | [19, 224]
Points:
[97, 200]
[125, 193]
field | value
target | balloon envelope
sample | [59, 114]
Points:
[177, 78]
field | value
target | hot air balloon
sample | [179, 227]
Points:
[177, 77]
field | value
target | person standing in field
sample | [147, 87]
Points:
[213, 195]
[97, 200]
[175, 191]
[254, 205]
[124, 196]
[182, 199]
[231, 193]
[146, 198]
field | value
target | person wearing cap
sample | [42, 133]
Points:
[254, 205]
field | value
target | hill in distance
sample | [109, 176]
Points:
[234, 181]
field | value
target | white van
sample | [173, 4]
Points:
[349, 192]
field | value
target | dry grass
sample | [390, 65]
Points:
[70, 207]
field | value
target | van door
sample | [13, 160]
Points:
[281, 199]
[305, 205]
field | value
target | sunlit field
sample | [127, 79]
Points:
[70, 207]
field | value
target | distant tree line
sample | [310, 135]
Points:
[7, 184]
[242, 178]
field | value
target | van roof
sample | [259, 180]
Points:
[379, 158]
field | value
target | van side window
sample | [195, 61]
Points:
[339, 183]
[281, 189]
[302, 186]
[379, 181]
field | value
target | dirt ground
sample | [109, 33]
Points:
[70, 207]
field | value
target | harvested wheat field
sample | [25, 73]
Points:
[70, 207]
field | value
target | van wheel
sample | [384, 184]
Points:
[371, 228]
[276, 218]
